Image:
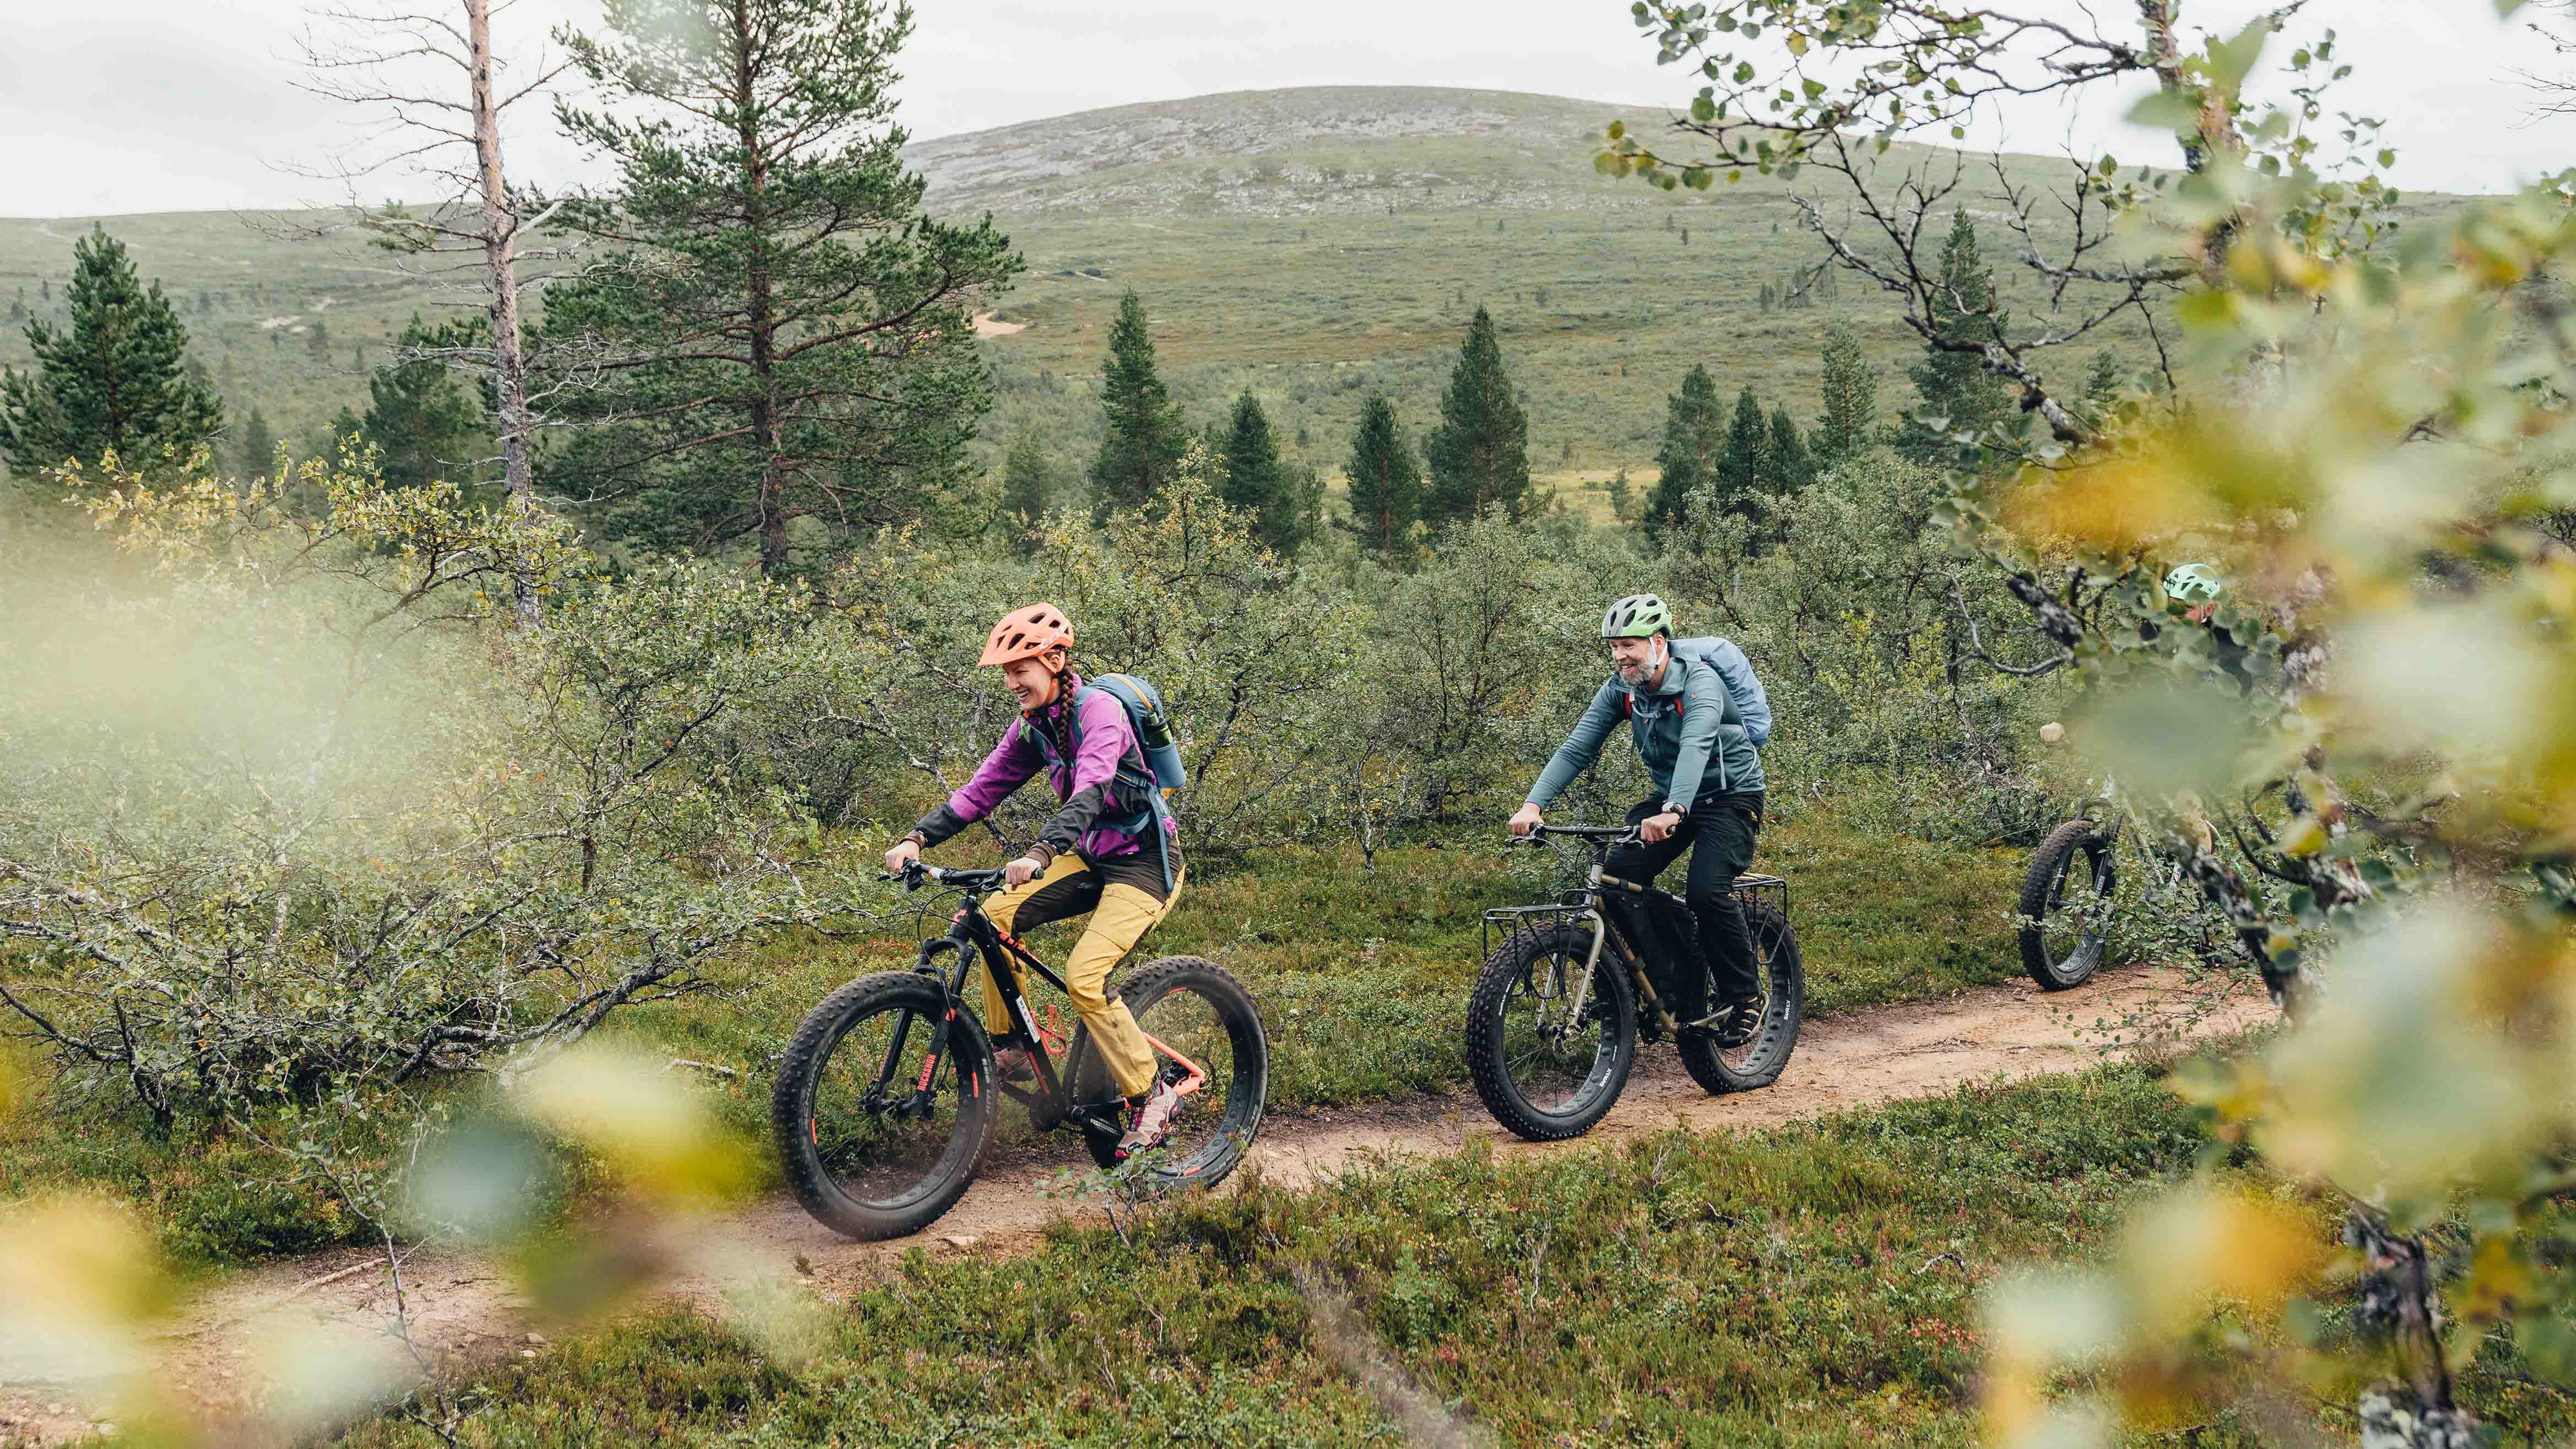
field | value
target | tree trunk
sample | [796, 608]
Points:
[763, 327]
[500, 261]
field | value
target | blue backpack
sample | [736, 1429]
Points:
[1151, 771]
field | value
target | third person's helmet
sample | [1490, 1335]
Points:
[1638, 616]
[2192, 583]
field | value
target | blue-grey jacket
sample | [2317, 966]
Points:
[1697, 731]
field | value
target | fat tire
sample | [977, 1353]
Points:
[1782, 1014]
[2053, 860]
[791, 1104]
[1143, 987]
[1510, 962]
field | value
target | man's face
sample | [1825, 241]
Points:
[1032, 681]
[1634, 659]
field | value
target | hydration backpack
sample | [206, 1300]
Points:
[1700, 649]
[1149, 773]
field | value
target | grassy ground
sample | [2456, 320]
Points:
[1363, 978]
[1816, 1285]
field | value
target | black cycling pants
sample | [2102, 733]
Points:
[1719, 836]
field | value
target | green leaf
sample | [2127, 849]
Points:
[1797, 43]
[1618, 129]
[2165, 110]
[1702, 108]
[2505, 8]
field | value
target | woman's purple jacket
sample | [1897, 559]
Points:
[1087, 783]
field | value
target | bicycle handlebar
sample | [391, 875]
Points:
[915, 873]
[1593, 834]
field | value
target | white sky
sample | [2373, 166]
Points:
[118, 106]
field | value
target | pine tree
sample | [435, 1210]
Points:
[2102, 390]
[1257, 482]
[318, 341]
[1478, 456]
[1850, 396]
[428, 425]
[115, 378]
[1739, 470]
[1693, 444]
[258, 445]
[1386, 481]
[1142, 436]
[1028, 489]
[1620, 499]
[790, 335]
[1955, 387]
[1787, 466]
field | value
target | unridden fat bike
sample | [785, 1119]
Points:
[886, 1095]
[1552, 1028]
[2066, 898]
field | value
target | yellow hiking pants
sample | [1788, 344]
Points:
[1121, 914]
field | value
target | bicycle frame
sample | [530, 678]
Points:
[973, 937]
[1585, 907]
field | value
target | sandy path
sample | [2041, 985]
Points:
[988, 325]
[463, 1307]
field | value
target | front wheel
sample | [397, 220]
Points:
[2066, 904]
[1783, 973]
[1207, 1039]
[878, 1135]
[1546, 1068]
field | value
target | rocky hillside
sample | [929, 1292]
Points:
[1310, 150]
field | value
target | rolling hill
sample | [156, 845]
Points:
[1312, 245]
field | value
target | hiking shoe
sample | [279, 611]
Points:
[1014, 1064]
[1149, 1120]
[1730, 1026]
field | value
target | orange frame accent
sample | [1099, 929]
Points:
[1198, 1074]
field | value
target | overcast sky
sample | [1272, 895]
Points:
[114, 106]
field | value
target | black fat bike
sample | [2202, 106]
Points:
[886, 1094]
[2066, 897]
[1553, 1025]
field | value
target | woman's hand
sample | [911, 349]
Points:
[1655, 827]
[1022, 871]
[905, 852]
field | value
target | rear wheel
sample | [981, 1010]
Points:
[1545, 1070]
[2065, 905]
[877, 1137]
[1783, 974]
[1208, 1042]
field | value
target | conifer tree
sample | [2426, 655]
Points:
[1955, 387]
[1787, 467]
[1142, 437]
[1694, 441]
[318, 341]
[420, 415]
[258, 445]
[1257, 482]
[1386, 481]
[1850, 395]
[1028, 489]
[1739, 470]
[777, 332]
[2102, 390]
[116, 377]
[1478, 456]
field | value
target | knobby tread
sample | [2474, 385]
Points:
[791, 1105]
[1148, 983]
[1484, 1040]
[2055, 854]
[1786, 1012]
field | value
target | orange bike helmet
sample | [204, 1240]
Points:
[1026, 634]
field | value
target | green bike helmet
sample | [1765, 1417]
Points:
[1638, 616]
[2192, 583]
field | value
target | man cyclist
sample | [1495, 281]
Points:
[1697, 722]
[1116, 857]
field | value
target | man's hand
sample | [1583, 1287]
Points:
[1524, 820]
[1655, 827]
[905, 852]
[1022, 871]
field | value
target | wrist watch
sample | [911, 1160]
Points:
[1672, 809]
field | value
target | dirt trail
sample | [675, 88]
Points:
[463, 1307]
